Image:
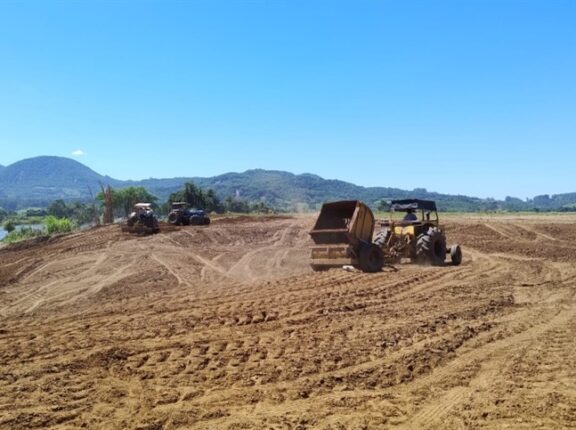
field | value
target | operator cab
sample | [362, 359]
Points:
[179, 205]
[422, 211]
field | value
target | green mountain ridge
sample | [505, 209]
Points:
[36, 182]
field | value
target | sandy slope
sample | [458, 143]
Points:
[226, 327]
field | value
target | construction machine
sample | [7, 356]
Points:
[344, 235]
[417, 235]
[142, 220]
[181, 214]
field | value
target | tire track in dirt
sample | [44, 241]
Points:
[228, 327]
[490, 355]
[61, 292]
[431, 415]
[501, 232]
[170, 270]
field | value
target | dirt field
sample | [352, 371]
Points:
[227, 327]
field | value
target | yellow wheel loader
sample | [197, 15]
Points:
[344, 235]
[416, 234]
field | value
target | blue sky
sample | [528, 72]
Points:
[473, 97]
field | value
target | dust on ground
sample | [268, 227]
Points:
[226, 326]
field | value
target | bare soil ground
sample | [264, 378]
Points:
[226, 327]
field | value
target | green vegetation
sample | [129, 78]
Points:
[23, 233]
[54, 225]
[80, 213]
[197, 198]
[242, 206]
[123, 200]
[9, 226]
[200, 198]
[22, 217]
[51, 225]
[37, 182]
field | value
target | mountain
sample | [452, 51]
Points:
[290, 191]
[36, 182]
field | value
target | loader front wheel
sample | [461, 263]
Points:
[173, 218]
[382, 237]
[431, 247]
[131, 221]
[371, 258]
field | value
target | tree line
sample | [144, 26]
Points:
[61, 216]
[124, 199]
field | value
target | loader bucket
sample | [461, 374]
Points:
[343, 222]
[338, 233]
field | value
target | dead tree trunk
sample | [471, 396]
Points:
[108, 209]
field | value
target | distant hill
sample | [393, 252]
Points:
[283, 189]
[36, 182]
[40, 180]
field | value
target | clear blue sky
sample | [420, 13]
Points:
[474, 97]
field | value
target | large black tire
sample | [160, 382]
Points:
[456, 255]
[431, 247]
[371, 258]
[131, 221]
[382, 237]
[173, 218]
[151, 223]
[206, 221]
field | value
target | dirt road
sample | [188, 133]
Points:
[227, 327]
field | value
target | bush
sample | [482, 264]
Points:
[9, 226]
[22, 234]
[58, 225]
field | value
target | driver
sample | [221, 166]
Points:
[410, 215]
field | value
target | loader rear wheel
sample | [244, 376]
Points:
[371, 258]
[456, 255]
[431, 247]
